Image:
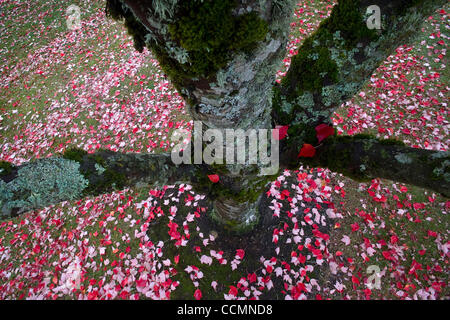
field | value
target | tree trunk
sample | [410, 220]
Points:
[236, 216]
[222, 55]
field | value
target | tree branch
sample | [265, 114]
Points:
[363, 158]
[333, 63]
[331, 67]
[45, 182]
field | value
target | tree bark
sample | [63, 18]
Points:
[239, 95]
[237, 92]
[342, 55]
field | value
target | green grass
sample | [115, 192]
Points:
[41, 89]
[413, 235]
[25, 19]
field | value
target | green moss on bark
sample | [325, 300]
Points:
[106, 180]
[238, 189]
[74, 154]
[315, 67]
[208, 32]
[211, 33]
[318, 70]
[392, 142]
[347, 18]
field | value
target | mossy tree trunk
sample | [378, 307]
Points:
[222, 56]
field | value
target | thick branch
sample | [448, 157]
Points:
[364, 158]
[333, 63]
[49, 181]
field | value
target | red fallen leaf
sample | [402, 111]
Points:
[124, 294]
[307, 151]
[285, 193]
[280, 132]
[301, 258]
[252, 277]
[437, 268]
[355, 227]
[92, 295]
[432, 234]
[197, 294]
[394, 239]
[406, 131]
[324, 131]
[214, 178]
[387, 255]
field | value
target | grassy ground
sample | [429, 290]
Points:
[90, 89]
